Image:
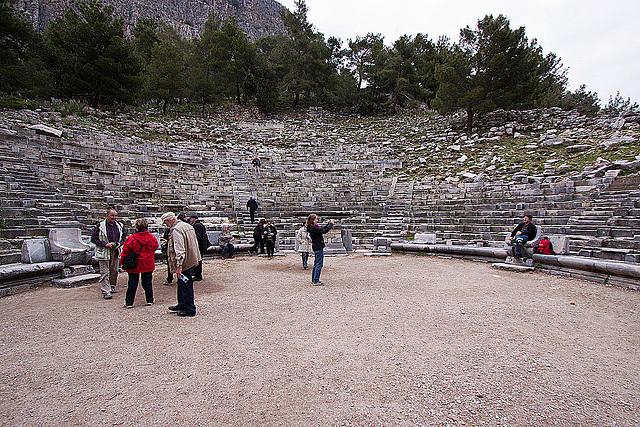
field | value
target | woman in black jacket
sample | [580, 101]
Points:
[269, 237]
[257, 238]
[317, 244]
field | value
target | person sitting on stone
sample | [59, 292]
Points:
[523, 232]
[256, 165]
[224, 240]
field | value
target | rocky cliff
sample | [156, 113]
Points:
[257, 18]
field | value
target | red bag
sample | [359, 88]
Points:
[545, 247]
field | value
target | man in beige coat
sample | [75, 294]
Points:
[183, 255]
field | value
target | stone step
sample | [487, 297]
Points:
[76, 281]
[10, 257]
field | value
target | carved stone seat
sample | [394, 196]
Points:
[67, 246]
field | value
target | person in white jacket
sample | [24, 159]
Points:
[303, 244]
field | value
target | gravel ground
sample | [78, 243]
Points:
[396, 341]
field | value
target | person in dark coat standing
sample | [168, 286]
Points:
[203, 244]
[257, 238]
[269, 237]
[144, 244]
[252, 204]
[317, 244]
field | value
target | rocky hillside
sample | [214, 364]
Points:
[257, 18]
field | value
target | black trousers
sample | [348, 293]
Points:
[185, 293]
[257, 243]
[132, 286]
[197, 271]
[169, 275]
[270, 247]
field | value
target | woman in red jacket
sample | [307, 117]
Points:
[144, 244]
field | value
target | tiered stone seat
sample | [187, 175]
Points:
[71, 180]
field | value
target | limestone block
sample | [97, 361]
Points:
[75, 281]
[213, 237]
[46, 130]
[36, 250]
[560, 244]
[347, 239]
[427, 238]
[382, 244]
[14, 271]
[578, 148]
[632, 258]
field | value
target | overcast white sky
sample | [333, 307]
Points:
[599, 41]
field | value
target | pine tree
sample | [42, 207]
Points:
[91, 57]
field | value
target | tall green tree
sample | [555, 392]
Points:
[242, 62]
[367, 58]
[307, 55]
[618, 104]
[145, 37]
[502, 70]
[585, 101]
[22, 71]
[91, 57]
[167, 68]
[210, 64]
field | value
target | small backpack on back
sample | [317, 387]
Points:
[545, 247]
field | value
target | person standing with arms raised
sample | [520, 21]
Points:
[317, 244]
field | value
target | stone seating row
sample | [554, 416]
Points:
[62, 259]
[602, 271]
[276, 171]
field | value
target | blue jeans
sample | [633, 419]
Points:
[305, 259]
[227, 250]
[518, 242]
[317, 265]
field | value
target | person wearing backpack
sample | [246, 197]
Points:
[144, 244]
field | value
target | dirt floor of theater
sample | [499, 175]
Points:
[401, 340]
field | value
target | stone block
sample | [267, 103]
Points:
[75, 281]
[560, 244]
[46, 130]
[213, 237]
[632, 258]
[35, 251]
[381, 244]
[347, 239]
[427, 238]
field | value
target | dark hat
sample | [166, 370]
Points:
[181, 215]
[194, 216]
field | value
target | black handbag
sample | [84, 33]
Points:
[130, 261]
